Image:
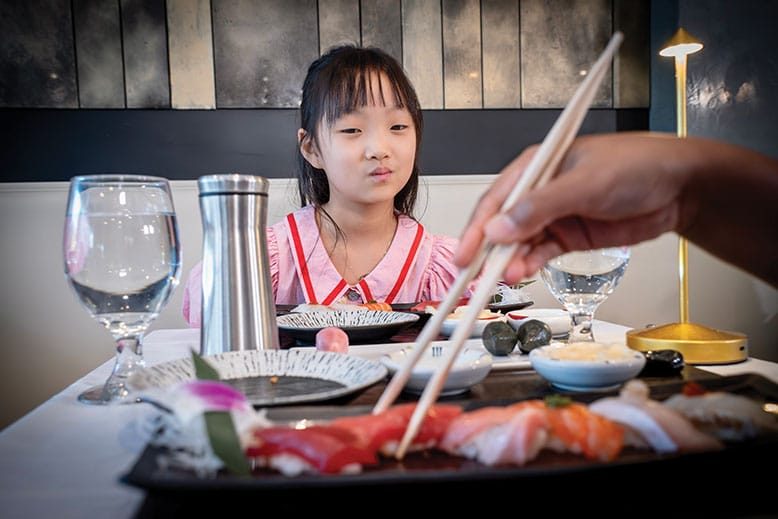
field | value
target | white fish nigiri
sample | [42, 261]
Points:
[725, 415]
[662, 428]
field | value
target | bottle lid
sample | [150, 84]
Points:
[232, 184]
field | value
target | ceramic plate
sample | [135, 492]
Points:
[275, 377]
[515, 361]
[470, 367]
[362, 326]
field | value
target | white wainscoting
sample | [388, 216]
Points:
[47, 340]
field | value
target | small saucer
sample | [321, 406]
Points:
[586, 389]
[469, 368]
[587, 366]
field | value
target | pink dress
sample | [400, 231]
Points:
[417, 267]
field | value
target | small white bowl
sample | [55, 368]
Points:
[586, 366]
[556, 319]
[470, 368]
[449, 325]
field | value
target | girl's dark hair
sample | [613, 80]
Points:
[338, 83]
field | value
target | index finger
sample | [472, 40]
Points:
[488, 205]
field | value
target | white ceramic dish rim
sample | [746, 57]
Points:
[341, 319]
[573, 375]
[354, 373]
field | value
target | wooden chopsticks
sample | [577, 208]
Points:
[495, 257]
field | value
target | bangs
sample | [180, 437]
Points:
[351, 88]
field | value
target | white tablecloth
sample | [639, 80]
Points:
[64, 459]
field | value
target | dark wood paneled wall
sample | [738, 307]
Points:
[182, 88]
[458, 53]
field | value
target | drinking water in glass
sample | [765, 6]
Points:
[122, 259]
[581, 281]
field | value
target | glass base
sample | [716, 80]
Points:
[93, 396]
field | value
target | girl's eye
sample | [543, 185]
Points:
[350, 130]
[399, 127]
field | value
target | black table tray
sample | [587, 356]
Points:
[441, 481]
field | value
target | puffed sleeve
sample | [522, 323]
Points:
[442, 271]
[272, 253]
[193, 294]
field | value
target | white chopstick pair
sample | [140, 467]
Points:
[496, 257]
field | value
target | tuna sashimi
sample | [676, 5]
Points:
[318, 449]
[373, 432]
[383, 432]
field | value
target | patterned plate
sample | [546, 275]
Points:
[362, 326]
[274, 377]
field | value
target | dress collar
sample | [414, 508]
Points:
[321, 281]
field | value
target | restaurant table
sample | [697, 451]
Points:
[65, 459]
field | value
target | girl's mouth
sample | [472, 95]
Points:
[381, 173]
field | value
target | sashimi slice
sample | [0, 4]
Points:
[322, 449]
[433, 428]
[384, 431]
[664, 429]
[459, 438]
[464, 427]
[727, 416]
[517, 441]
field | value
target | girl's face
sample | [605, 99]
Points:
[368, 154]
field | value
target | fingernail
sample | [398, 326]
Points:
[500, 227]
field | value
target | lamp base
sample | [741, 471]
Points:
[698, 344]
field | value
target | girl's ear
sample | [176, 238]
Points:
[308, 149]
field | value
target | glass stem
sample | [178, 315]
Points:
[581, 329]
[129, 359]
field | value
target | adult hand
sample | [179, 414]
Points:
[610, 190]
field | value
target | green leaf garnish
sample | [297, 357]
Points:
[221, 430]
[225, 443]
[203, 370]
[555, 401]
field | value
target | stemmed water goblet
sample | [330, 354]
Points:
[581, 281]
[123, 259]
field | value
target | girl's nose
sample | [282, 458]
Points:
[376, 147]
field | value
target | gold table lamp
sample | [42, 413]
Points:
[698, 344]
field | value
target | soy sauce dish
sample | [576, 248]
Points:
[587, 366]
[470, 367]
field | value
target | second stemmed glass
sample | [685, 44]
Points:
[581, 281]
[122, 259]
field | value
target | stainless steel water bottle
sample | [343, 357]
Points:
[238, 311]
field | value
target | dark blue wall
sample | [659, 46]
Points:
[732, 83]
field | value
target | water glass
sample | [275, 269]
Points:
[122, 259]
[581, 281]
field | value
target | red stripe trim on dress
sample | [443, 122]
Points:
[407, 265]
[335, 292]
[366, 290]
[301, 265]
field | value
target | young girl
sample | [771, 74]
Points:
[354, 239]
